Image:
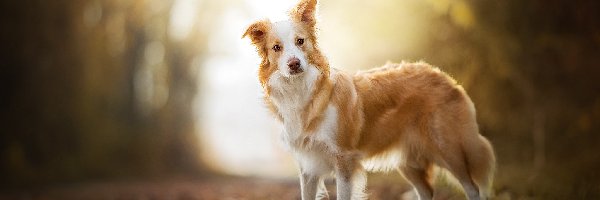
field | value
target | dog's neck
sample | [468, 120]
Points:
[292, 93]
[301, 99]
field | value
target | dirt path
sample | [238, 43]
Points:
[222, 189]
[209, 189]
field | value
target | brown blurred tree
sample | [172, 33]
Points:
[532, 68]
[95, 89]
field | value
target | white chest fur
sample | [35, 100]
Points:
[315, 151]
[290, 96]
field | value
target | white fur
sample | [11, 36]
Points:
[327, 131]
[310, 156]
[287, 36]
[290, 95]
[314, 152]
[385, 162]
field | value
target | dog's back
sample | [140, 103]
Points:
[420, 111]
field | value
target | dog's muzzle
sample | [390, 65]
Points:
[294, 65]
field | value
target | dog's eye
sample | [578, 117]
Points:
[300, 41]
[276, 48]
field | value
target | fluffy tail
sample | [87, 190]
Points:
[482, 165]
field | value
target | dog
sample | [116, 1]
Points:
[410, 117]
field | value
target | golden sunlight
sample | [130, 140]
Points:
[239, 136]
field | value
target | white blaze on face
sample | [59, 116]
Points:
[287, 35]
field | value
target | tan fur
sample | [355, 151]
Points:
[320, 98]
[412, 108]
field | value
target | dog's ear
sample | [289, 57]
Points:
[257, 31]
[305, 12]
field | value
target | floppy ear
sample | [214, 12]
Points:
[305, 12]
[257, 31]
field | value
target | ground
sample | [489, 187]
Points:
[381, 187]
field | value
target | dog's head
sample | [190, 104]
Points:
[288, 47]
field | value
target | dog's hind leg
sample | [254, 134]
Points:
[419, 179]
[455, 162]
[481, 163]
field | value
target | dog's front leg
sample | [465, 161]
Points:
[350, 177]
[343, 182]
[322, 193]
[308, 185]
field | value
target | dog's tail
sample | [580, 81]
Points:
[481, 164]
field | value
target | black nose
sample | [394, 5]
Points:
[294, 64]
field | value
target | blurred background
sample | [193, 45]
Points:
[159, 99]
